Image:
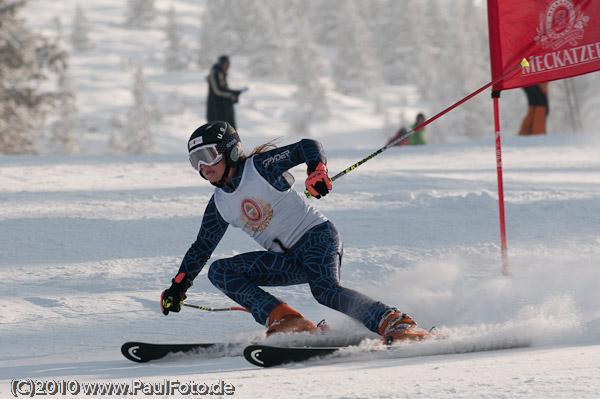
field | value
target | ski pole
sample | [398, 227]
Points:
[209, 309]
[522, 64]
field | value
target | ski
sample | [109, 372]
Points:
[142, 352]
[274, 355]
[268, 356]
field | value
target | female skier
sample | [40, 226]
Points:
[255, 193]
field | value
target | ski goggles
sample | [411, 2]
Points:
[205, 155]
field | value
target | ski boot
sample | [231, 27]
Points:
[395, 326]
[284, 319]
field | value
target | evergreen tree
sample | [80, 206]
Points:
[80, 40]
[422, 32]
[139, 14]
[457, 69]
[175, 54]
[266, 48]
[307, 73]
[209, 48]
[238, 23]
[116, 143]
[394, 47]
[63, 128]
[325, 19]
[353, 68]
[217, 35]
[586, 101]
[560, 118]
[59, 28]
[26, 61]
[140, 140]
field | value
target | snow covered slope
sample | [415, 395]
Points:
[88, 243]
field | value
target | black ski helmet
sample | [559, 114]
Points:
[224, 136]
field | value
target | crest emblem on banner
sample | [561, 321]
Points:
[562, 23]
[256, 214]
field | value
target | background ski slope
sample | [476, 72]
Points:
[88, 243]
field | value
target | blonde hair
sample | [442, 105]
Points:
[271, 145]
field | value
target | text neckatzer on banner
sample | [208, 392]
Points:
[559, 38]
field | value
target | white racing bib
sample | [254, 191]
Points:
[275, 219]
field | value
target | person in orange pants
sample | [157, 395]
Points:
[535, 120]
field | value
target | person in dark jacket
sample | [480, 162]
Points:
[219, 105]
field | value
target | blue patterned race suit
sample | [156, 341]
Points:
[315, 258]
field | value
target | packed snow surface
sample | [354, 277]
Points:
[88, 243]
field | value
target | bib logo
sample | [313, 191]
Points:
[255, 214]
[562, 23]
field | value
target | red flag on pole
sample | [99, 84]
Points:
[559, 38]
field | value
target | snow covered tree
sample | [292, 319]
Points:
[80, 40]
[216, 34]
[26, 61]
[265, 44]
[139, 14]
[175, 53]
[307, 73]
[57, 22]
[428, 35]
[458, 65]
[586, 101]
[63, 128]
[568, 99]
[394, 48]
[208, 50]
[353, 69]
[239, 23]
[116, 143]
[64, 112]
[325, 19]
[140, 139]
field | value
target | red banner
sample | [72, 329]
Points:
[559, 38]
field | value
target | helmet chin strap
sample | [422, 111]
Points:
[224, 178]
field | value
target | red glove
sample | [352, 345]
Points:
[318, 183]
